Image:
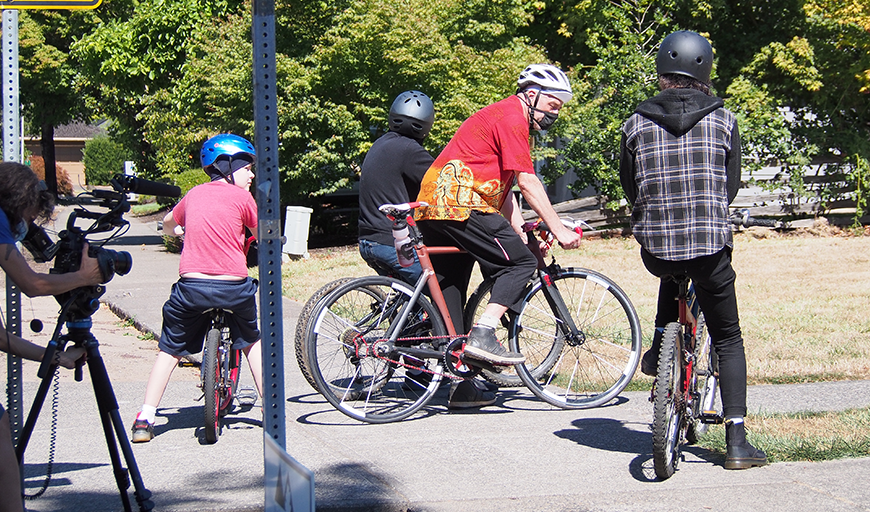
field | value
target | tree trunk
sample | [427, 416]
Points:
[47, 143]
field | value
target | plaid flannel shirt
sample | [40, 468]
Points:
[681, 208]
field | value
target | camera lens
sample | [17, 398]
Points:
[123, 261]
[112, 262]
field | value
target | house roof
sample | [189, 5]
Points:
[76, 130]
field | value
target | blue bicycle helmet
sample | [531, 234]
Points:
[224, 154]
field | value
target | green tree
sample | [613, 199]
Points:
[48, 81]
[103, 158]
[135, 54]
[333, 101]
[623, 37]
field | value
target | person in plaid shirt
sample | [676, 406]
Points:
[680, 169]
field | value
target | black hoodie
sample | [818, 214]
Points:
[677, 111]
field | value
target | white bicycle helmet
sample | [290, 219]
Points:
[552, 81]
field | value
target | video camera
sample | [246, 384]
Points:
[67, 251]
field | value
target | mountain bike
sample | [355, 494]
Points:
[378, 349]
[687, 378]
[219, 372]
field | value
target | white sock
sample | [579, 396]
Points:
[148, 413]
[487, 321]
[734, 420]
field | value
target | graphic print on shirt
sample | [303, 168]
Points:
[454, 193]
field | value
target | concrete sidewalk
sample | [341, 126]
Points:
[518, 455]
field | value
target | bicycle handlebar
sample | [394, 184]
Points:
[742, 218]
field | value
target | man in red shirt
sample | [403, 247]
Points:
[470, 204]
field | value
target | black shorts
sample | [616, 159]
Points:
[185, 324]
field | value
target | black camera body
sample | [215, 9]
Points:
[67, 252]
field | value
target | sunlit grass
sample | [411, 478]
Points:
[802, 300]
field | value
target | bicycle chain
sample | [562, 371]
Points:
[372, 349]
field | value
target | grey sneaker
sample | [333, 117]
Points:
[142, 431]
[482, 344]
[467, 395]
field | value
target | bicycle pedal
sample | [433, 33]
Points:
[184, 363]
[711, 417]
[247, 396]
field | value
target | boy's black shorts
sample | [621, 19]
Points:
[185, 324]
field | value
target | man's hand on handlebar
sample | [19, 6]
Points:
[567, 238]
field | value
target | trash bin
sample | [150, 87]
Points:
[296, 224]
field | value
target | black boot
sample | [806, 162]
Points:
[740, 454]
[649, 363]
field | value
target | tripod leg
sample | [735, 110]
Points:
[35, 408]
[110, 416]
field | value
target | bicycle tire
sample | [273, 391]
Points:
[230, 385]
[578, 373]
[347, 324]
[507, 375]
[668, 403]
[706, 382]
[303, 326]
[211, 370]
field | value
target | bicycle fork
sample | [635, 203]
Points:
[570, 333]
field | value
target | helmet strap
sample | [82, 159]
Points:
[230, 177]
[532, 108]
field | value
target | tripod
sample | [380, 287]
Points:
[79, 333]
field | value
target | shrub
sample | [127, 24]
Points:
[64, 184]
[103, 158]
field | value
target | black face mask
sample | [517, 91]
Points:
[547, 121]
[543, 124]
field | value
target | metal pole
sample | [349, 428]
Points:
[11, 153]
[269, 225]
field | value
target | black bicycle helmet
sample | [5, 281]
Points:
[685, 53]
[412, 114]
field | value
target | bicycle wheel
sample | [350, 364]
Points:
[668, 403]
[587, 370]
[351, 361]
[304, 325]
[507, 375]
[706, 382]
[211, 378]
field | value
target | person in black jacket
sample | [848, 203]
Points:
[391, 173]
[680, 169]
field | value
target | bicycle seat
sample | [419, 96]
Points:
[396, 210]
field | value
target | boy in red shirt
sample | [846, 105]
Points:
[213, 271]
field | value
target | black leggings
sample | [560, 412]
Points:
[488, 239]
[713, 278]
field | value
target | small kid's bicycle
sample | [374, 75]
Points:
[219, 372]
[687, 378]
[378, 349]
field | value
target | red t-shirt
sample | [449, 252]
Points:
[214, 216]
[476, 169]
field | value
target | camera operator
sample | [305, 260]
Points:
[23, 199]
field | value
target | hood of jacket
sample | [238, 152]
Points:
[678, 110]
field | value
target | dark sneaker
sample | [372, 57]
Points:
[467, 395]
[482, 344]
[649, 362]
[142, 431]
